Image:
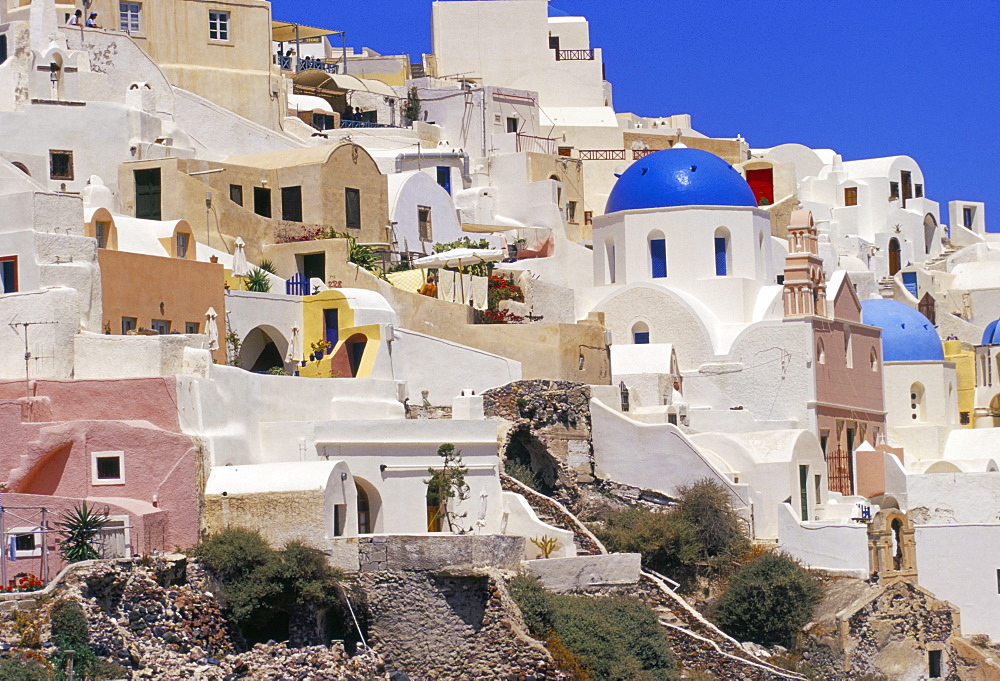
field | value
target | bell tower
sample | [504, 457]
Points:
[805, 287]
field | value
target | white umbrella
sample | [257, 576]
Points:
[240, 267]
[212, 329]
[295, 346]
[459, 257]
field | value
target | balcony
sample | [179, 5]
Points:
[641, 153]
[538, 145]
[364, 124]
[602, 154]
[307, 64]
[574, 55]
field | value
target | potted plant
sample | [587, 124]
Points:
[320, 348]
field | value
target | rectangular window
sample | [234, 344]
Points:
[218, 25]
[968, 216]
[571, 212]
[3, 48]
[588, 217]
[565, 151]
[101, 234]
[262, 201]
[444, 178]
[24, 543]
[236, 194]
[511, 124]
[641, 337]
[352, 208]
[128, 324]
[291, 204]
[850, 196]
[893, 191]
[331, 325]
[60, 165]
[107, 468]
[191, 328]
[907, 179]
[314, 266]
[918, 191]
[160, 326]
[824, 438]
[964, 418]
[554, 42]
[147, 193]
[8, 274]
[129, 14]
[804, 492]
[27, 541]
[182, 244]
[424, 223]
[611, 262]
[721, 256]
[998, 581]
[934, 664]
[658, 256]
[817, 489]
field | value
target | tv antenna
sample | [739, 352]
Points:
[27, 353]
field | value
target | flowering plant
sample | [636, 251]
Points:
[24, 581]
[320, 346]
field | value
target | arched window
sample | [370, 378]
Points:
[723, 252]
[23, 168]
[640, 333]
[820, 352]
[364, 512]
[657, 254]
[848, 348]
[894, 256]
[609, 248]
[917, 407]
[873, 360]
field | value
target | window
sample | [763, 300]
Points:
[850, 196]
[314, 266]
[128, 324]
[107, 468]
[61, 165]
[352, 208]
[893, 191]
[424, 223]
[218, 25]
[3, 48]
[444, 178]
[918, 191]
[129, 13]
[610, 251]
[804, 492]
[917, 402]
[968, 216]
[824, 438]
[907, 179]
[147, 193]
[27, 541]
[101, 230]
[291, 204]
[565, 151]
[934, 664]
[873, 360]
[511, 124]
[640, 333]
[160, 326]
[571, 212]
[554, 42]
[848, 348]
[8, 274]
[182, 244]
[964, 418]
[191, 327]
[236, 194]
[262, 201]
[723, 256]
[658, 257]
[820, 352]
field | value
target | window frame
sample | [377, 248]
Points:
[219, 23]
[182, 243]
[188, 331]
[94, 477]
[352, 198]
[154, 322]
[125, 26]
[236, 194]
[52, 169]
[27, 530]
[425, 228]
[14, 287]
[850, 196]
[133, 321]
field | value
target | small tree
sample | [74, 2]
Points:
[81, 528]
[768, 601]
[706, 505]
[412, 108]
[445, 484]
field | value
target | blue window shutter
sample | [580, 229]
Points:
[910, 282]
[641, 337]
[444, 177]
[720, 255]
[658, 256]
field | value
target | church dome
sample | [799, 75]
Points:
[907, 335]
[991, 336]
[679, 177]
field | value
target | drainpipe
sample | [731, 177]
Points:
[437, 156]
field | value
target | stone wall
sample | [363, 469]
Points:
[379, 553]
[452, 626]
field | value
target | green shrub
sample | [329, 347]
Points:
[768, 601]
[81, 528]
[613, 639]
[257, 281]
[234, 554]
[667, 542]
[69, 625]
[706, 505]
[523, 474]
[24, 668]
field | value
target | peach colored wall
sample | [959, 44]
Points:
[149, 399]
[871, 473]
[134, 285]
[859, 387]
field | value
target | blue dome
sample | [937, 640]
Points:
[679, 177]
[907, 335]
[990, 335]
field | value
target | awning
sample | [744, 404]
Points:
[284, 32]
[341, 82]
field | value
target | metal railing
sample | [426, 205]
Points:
[364, 124]
[574, 55]
[306, 64]
[641, 153]
[602, 154]
[539, 145]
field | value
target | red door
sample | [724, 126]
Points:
[761, 181]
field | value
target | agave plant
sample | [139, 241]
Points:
[257, 281]
[81, 528]
[267, 266]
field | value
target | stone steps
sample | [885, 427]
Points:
[552, 512]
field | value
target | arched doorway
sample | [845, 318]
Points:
[930, 226]
[356, 345]
[23, 168]
[263, 349]
[369, 505]
[894, 256]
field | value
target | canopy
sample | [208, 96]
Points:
[284, 32]
[321, 80]
[459, 257]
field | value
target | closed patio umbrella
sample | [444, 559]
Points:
[294, 346]
[240, 267]
[212, 329]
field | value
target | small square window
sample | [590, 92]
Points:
[61, 165]
[27, 542]
[128, 324]
[893, 191]
[918, 191]
[160, 326]
[191, 327]
[107, 468]
[24, 542]
[8, 274]
[850, 196]
[236, 194]
[218, 26]
[512, 124]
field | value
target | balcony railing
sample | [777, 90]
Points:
[602, 154]
[641, 153]
[574, 55]
[307, 64]
[364, 124]
[538, 145]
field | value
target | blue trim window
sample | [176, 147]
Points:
[721, 256]
[658, 257]
[641, 337]
[444, 177]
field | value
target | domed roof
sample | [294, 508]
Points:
[679, 177]
[907, 335]
[991, 336]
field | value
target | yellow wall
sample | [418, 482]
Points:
[314, 327]
[965, 371]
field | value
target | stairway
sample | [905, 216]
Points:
[552, 512]
[417, 70]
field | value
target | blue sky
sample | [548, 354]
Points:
[868, 79]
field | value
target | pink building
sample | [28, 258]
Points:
[116, 444]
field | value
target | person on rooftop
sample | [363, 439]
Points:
[75, 19]
[92, 21]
